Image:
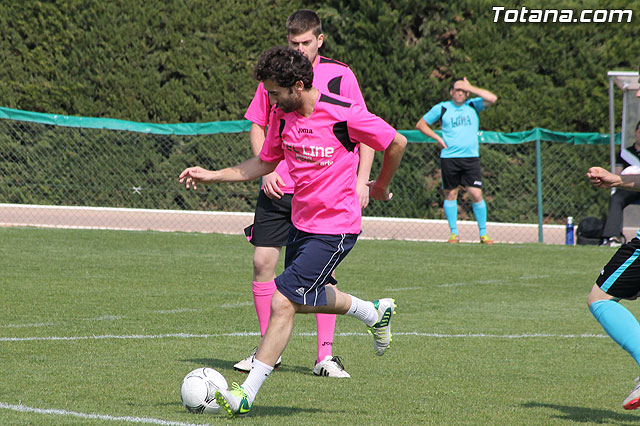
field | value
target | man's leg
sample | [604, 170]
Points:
[616, 320]
[376, 315]
[620, 278]
[268, 234]
[451, 210]
[479, 207]
[238, 400]
[265, 260]
[326, 364]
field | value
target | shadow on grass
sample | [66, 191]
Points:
[256, 411]
[588, 415]
[220, 364]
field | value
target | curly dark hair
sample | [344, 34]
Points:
[285, 66]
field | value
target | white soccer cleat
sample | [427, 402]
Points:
[632, 401]
[381, 331]
[246, 364]
[330, 367]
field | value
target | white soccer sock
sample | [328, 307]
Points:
[363, 310]
[258, 374]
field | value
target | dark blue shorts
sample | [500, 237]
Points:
[621, 276]
[308, 263]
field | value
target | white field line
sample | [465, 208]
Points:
[37, 324]
[252, 334]
[24, 409]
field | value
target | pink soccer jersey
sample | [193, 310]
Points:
[329, 76]
[321, 152]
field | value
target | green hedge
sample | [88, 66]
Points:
[191, 61]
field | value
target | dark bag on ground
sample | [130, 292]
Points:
[590, 231]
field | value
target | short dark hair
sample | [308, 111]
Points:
[454, 80]
[637, 125]
[285, 66]
[304, 20]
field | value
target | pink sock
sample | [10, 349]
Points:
[262, 293]
[326, 326]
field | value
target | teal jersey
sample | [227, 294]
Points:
[460, 126]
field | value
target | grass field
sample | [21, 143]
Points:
[99, 327]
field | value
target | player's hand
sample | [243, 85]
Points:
[602, 178]
[380, 193]
[362, 189]
[193, 175]
[271, 184]
[463, 85]
[442, 144]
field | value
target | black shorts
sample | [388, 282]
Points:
[271, 221]
[461, 171]
[621, 276]
[308, 263]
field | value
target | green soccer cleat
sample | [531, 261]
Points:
[234, 401]
[485, 239]
[381, 331]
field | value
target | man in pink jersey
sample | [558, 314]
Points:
[319, 136]
[272, 218]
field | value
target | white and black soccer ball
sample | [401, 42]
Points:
[631, 170]
[199, 388]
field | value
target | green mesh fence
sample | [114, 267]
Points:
[87, 172]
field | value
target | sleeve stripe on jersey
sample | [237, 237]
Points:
[282, 124]
[330, 100]
[472, 105]
[334, 85]
[444, 110]
[341, 132]
[324, 60]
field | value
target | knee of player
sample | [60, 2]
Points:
[264, 265]
[596, 294]
[281, 306]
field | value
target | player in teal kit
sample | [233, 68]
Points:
[460, 156]
[619, 279]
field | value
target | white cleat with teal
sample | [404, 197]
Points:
[381, 331]
[234, 401]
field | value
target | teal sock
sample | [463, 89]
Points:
[451, 212]
[620, 324]
[480, 212]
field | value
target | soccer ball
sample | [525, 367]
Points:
[631, 170]
[199, 388]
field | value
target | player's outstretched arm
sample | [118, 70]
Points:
[604, 179]
[379, 189]
[250, 169]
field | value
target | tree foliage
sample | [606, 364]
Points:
[191, 61]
